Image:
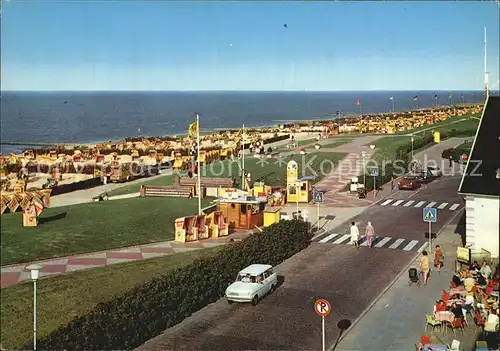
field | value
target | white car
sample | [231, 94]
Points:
[435, 171]
[252, 284]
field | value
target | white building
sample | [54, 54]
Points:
[480, 183]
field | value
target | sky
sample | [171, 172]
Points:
[190, 45]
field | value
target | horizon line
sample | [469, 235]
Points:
[245, 91]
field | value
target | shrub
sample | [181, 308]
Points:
[144, 312]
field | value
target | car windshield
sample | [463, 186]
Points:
[410, 178]
[246, 278]
[431, 168]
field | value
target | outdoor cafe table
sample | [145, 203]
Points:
[435, 347]
[452, 301]
[458, 291]
[444, 316]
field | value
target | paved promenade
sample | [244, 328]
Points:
[396, 321]
[17, 273]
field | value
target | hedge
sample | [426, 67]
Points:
[456, 153]
[144, 312]
[403, 153]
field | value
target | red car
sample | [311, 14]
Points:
[409, 183]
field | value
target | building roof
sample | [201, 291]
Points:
[481, 176]
[256, 269]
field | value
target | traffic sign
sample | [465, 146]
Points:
[430, 214]
[374, 171]
[322, 307]
[318, 196]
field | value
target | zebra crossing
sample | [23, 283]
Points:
[419, 204]
[379, 242]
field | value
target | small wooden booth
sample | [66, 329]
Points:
[298, 189]
[272, 214]
[194, 228]
[243, 212]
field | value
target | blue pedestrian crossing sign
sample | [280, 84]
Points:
[318, 196]
[430, 214]
[374, 171]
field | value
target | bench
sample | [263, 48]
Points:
[207, 182]
[166, 191]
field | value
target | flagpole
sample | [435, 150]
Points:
[198, 161]
[243, 159]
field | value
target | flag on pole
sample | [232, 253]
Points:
[436, 96]
[391, 98]
[415, 98]
[358, 102]
[450, 96]
[193, 129]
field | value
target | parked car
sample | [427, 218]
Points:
[435, 171]
[409, 183]
[425, 177]
[252, 284]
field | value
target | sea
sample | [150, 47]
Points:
[87, 117]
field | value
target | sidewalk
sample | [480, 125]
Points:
[397, 320]
[17, 273]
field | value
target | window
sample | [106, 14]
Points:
[303, 187]
[292, 190]
[243, 209]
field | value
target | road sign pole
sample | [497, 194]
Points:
[430, 236]
[323, 331]
[318, 217]
[374, 188]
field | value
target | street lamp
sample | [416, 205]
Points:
[412, 139]
[35, 274]
[297, 187]
[372, 146]
[363, 155]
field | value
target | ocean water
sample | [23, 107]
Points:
[97, 116]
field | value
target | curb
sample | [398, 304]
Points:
[382, 293]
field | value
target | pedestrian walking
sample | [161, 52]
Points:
[354, 235]
[392, 182]
[369, 233]
[438, 258]
[424, 266]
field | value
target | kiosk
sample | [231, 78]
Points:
[272, 214]
[297, 189]
[243, 212]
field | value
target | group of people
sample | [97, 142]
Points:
[369, 233]
[425, 268]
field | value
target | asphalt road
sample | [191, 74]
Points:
[349, 278]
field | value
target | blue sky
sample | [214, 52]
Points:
[188, 45]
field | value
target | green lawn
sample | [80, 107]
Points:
[64, 297]
[271, 171]
[456, 122]
[336, 142]
[92, 227]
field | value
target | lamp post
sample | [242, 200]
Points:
[372, 146]
[363, 155]
[35, 273]
[412, 139]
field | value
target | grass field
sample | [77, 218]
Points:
[64, 297]
[271, 171]
[336, 142]
[92, 227]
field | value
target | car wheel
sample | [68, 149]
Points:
[273, 288]
[255, 300]
[230, 302]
